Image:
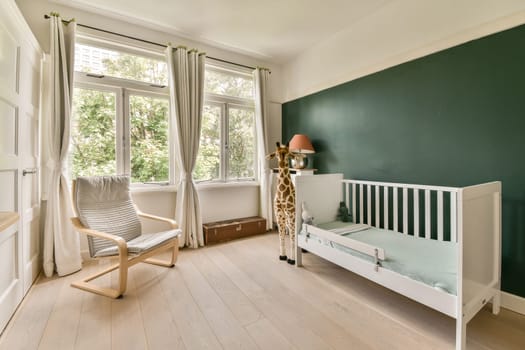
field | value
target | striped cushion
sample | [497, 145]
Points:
[142, 243]
[104, 204]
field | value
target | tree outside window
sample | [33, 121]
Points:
[141, 148]
[227, 144]
[120, 120]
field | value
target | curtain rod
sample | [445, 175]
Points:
[147, 41]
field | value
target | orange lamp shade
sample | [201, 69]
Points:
[301, 144]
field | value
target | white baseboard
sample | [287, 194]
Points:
[513, 302]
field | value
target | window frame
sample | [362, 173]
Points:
[118, 122]
[127, 126]
[86, 36]
[226, 102]
[227, 141]
[123, 88]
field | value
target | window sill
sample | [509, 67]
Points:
[217, 185]
[142, 188]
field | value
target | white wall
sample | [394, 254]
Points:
[380, 40]
[219, 203]
[228, 201]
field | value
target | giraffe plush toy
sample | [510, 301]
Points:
[284, 202]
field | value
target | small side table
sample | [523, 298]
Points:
[301, 172]
[298, 172]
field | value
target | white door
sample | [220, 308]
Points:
[11, 287]
[19, 101]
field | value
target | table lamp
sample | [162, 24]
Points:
[300, 146]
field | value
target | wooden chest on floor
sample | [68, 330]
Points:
[226, 230]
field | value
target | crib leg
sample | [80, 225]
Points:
[461, 334]
[496, 303]
[299, 255]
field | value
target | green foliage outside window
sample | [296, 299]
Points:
[240, 154]
[227, 84]
[93, 133]
[207, 166]
[93, 148]
[241, 143]
[89, 59]
[149, 139]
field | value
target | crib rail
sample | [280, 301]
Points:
[348, 242]
[432, 209]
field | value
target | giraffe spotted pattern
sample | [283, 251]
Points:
[284, 202]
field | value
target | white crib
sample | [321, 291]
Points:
[469, 216]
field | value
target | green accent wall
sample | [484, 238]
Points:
[453, 118]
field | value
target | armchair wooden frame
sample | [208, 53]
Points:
[125, 261]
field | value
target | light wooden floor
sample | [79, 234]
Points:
[239, 295]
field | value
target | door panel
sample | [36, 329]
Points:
[8, 189]
[7, 256]
[30, 202]
[8, 129]
[10, 286]
[8, 60]
[29, 163]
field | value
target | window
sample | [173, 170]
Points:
[120, 115]
[227, 150]
[149, 151]
[93, 133]
[102, 61]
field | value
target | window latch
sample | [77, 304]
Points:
[93, 75]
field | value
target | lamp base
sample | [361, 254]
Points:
[299, 161]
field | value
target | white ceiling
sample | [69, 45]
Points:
[273, 30]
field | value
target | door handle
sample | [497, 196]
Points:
[29, 171]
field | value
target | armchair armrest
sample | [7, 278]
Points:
[173, 223]
[121, 243]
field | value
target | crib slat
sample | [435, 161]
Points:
[361, 203]
[405, 210]
[453, 217]
[427, 214]
[354, 218]
[377, 206]
[416, 213]
[440, 215]
[395, 190]
[347, 193]
[385, 207]
[369, 204]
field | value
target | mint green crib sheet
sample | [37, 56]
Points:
[429, 261]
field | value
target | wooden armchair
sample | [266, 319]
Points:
[106, 214]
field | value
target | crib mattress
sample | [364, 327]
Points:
[429, 261]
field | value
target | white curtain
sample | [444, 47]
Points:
[261, 122]
[186, 79]
[61, 242]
